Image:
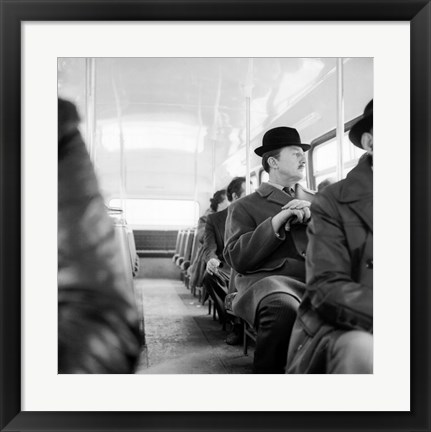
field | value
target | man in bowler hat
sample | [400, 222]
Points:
[265, 242]
[334, 329]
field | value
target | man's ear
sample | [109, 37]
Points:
[367, 142]
[272, 162]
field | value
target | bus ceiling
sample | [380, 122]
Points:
[180, 126]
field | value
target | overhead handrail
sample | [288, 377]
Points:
[340, 117]
[90, 96]
[123, 167]
[248, 87]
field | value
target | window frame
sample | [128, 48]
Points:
[322, 139]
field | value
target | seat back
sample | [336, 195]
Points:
[188, 249]
[133, 255]
[123, 244]
[183, 243]
[195, 245]
[177, 245]
[189, 244]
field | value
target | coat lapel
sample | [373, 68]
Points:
[303, 194]
[273, 194]
[277, 196]
[364, 209]
[357, 191]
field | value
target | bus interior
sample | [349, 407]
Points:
[164, 134]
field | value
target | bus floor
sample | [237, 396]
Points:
[181, 337]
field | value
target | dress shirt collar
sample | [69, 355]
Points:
[292, 190]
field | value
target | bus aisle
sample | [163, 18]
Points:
[181, 337]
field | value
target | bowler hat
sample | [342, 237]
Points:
[364, 124]
[280, 137]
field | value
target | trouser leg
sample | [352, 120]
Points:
[351, 353]
[275, 317]
[214, 289]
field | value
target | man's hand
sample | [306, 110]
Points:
[212, 266]
[295, 211]
[297, 204]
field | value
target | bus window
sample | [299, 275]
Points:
[324, 159]
[351, 155]
[162, 214]
[254, 181]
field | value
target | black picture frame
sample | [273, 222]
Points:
[13, 12]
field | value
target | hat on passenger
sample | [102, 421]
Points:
[279, 137]
[364, 124]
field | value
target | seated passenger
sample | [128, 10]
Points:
[97, 318]
[334, 330]
[216, 280]
[197, 269]
[265, 245]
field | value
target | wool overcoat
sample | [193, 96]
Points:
[262, 261]
[98, 327]
[198, 265]
[339, 265]
[214, 240]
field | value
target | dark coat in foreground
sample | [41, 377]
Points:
[339, 266]
[97, 317]
[263, 262]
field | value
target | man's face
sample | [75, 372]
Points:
[291, 163]
[241, 193]
[367, 141]
[224, 204]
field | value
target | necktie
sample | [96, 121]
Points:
[289, 192]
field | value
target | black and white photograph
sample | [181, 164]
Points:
[189, 192]
[215, 215]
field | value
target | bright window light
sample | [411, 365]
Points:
[325, 159]
[153, 213]
[152, 134]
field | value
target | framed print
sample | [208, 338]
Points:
[37, 36]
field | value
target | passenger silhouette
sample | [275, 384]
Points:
[197, 269]
[97, 316]
[334, 330]
[264, 244]
[217, 282]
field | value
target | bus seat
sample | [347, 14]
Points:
[195, 247]
[184, 260]
[182, 248]
[188, 251]
[155, 243]
[177, 245]
[123, 243]
[249, 330]
[185, 256]
[122, 239]
[132, 248]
